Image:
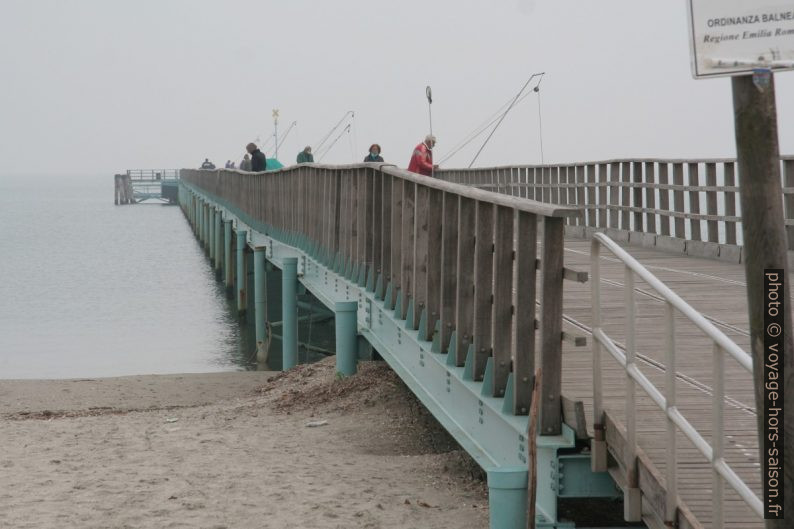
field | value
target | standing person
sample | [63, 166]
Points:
[245, 165]
[207, 164]
[306, 156]
[374, 154]
[258, 160]
[228, 164]
[422, 159]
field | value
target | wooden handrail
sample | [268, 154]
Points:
[449, 258]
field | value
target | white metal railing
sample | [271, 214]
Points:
[721, 471]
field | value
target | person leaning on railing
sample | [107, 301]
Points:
[258, 160]
[306, 156]
[374, 154]
[245, 164]
[422, 159]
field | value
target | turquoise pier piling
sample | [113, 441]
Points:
[205, 224]
[289, 327]
[218, 242]
[227, 257]
[241, 242]
[196, 217]
[211, 238]
[507, 497]
[200, 220]
[260, 307]
[346, 337]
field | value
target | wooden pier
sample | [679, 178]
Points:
[142, 185]
[465, 283]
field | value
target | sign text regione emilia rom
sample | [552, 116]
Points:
[735, 37]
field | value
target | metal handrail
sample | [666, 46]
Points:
[721, 471]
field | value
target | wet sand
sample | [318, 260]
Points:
[231, 450]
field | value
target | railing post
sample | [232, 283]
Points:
[670, 401]
[241, 242]
[346, 337]
[449, 268]
[730, 202]
[598, 445]
[551, 327]
[483, 286]
[718, 404]
[289, 316]
[524, 322]
[260, 307]
[632, 497]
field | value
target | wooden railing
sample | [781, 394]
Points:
[691, 205]
[461, 257]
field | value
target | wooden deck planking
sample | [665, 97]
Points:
[714, 288]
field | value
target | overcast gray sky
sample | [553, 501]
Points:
[102, 86]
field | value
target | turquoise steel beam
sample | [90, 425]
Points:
[260, 306]
[227, 256]
[346, 337]
[219, 260]
[289, 308]
[482, 424]
[241, 242]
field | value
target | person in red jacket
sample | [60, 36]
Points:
[422, 159]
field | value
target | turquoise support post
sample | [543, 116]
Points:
[346, 337]
[200, 219]
[241, 242]
[289, 312]
[507, 497]
[196, 217]
[211, 238]
[205, 223]
[218, 241]
[260, 307]
[227, 256]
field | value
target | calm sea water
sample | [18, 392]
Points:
[90, 289]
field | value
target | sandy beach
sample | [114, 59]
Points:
[231, 450]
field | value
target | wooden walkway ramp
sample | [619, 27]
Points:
[717, 290]
[437, 278]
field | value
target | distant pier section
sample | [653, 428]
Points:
[144, 185]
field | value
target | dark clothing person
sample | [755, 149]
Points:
[207, 164]
[305, 157]
[258, 161]
[377, 158]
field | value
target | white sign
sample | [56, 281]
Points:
[734, 37]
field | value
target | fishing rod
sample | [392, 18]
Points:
[284, 137]
[319, 145]
[481, 128]
[327, 150]
[507, 111]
